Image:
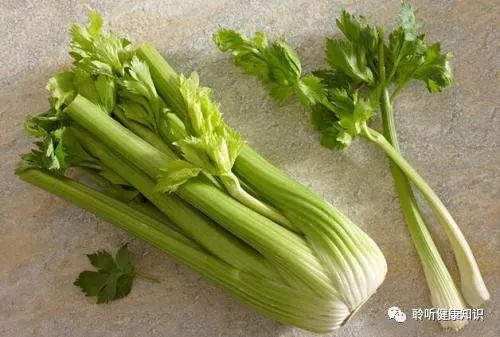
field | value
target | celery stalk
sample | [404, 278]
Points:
[102, 205]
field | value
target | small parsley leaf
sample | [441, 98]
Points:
[113, 278]
[102, 260]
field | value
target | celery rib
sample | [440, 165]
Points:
[444, 293]
[472, 284]
[233, 186]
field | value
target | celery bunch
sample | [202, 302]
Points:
[169, 170]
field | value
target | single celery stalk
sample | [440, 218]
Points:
[108, 208]
[149, 209]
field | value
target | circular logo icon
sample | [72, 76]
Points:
[396, 314]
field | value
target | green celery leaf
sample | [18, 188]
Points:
[247, 52]
[61, 89]
[68, 150]
[334, 137]
[435, 69]
[135, 112]
[202, 137]
[203, 115]
[405, 40]
[322, 117]
[96, 52]
[176, 174]
[285, 70]
[139, 99]
[276, 64]
[351, 110]
[108, 291]
[106, 89]
[413, 58]
[406, 46]
[43, 124]
[234, 144]
[208, 152]
[408, 21]
[328, 137]
[138, 80]
[350, 59]
[84, 84]
[28, 161]
[123, 286]
[58, 150]
[34, 159]
[95, 23]
[333, 79]
[342, 119]
[312, 90]
[357, 30]
[337, 111]
[64, 86]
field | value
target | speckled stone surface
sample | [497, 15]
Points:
[451, 138]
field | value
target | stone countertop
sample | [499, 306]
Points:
[452, 138]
